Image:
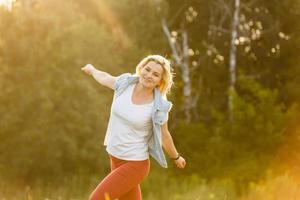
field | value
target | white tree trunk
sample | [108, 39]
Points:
[233, 57]
[187, 87]
[182, 61]
[172, 43]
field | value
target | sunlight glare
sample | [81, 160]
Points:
[7, 4]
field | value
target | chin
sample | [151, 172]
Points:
[147, 85]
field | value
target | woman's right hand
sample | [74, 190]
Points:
[88, 69]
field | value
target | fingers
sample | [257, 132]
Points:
[180, 166]
[180, 163]
[87, 68]
[183, 164]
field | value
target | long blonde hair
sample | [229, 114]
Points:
[167, 75]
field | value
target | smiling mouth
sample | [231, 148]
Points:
[147, 80]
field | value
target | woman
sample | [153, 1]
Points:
[137, 127]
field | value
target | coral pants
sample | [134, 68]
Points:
[123, 182]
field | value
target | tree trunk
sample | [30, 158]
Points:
[233, 58]
[187, 86]
[182, 62]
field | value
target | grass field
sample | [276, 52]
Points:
[281, 187]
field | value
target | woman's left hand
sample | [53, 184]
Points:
[180, 162]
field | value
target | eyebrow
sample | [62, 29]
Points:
[153, 70]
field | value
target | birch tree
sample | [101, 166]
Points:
[244, 24]
[232, 59]
[178, 41]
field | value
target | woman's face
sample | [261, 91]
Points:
[151, 75]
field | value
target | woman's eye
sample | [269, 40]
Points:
[148, 69]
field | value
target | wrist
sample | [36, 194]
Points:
[93, 70]
[177, 157]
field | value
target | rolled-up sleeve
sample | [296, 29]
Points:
[121, 80]
[162, 116]
[169, 107]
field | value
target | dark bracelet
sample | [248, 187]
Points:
[177, 157]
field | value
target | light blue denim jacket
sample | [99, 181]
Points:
[160, 115]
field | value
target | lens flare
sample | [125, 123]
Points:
[8, 4]
[283, 179]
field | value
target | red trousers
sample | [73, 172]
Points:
[123, 182]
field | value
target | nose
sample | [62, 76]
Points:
[148, 75]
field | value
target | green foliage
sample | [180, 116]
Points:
[242, 148]
[283, 186]
[54, 117]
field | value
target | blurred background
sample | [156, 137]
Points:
[236, 97]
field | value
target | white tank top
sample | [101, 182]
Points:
[129, 128]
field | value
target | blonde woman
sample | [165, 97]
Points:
[137, 127]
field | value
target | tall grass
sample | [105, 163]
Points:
[154, 187]
[157, 187]
[282, 187]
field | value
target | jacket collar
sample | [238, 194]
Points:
[157, 95]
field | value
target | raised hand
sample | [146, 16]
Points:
[88, 69]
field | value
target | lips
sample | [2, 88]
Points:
[147, 80]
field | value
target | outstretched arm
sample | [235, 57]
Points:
[101, 77]
[169, 146]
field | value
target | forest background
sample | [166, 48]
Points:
[235, 116]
